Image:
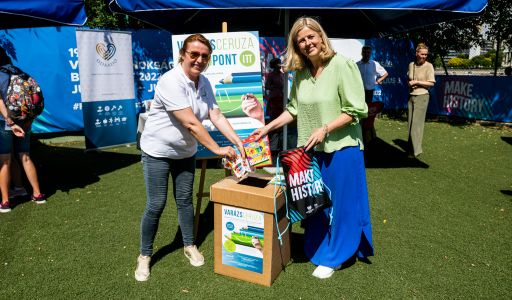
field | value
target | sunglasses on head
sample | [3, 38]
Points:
[195, 54]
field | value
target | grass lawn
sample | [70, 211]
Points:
[442, 227]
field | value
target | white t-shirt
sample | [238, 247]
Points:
[369, 72]
[164, 135]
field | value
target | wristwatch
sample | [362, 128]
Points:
[9, 122]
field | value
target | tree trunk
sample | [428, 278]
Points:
[496, 59]
[444, 65]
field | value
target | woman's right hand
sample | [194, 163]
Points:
[18, 131]
[260, 132]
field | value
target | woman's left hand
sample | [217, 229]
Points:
[241, 149]
[317, 136]
[228, 152]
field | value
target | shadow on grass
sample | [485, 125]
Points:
[205, 227]
[507, 139]
[380, 154]
[176, 244]
[506, 192]
[401, 115]
[64, 169]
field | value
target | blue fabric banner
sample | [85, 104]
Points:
[473, 97]
[394, 56]
[49, 55]
[152, 57]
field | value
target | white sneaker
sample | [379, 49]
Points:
[194, 256]
[323, 272]
[142, 271]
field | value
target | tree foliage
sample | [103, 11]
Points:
[99, 15]
[462, 34]
[441, 38]
[498, 18]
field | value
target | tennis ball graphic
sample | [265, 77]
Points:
[230, 246]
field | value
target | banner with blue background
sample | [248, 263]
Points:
[473, 97]
[49, 54]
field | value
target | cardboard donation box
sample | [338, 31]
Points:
[246, 244]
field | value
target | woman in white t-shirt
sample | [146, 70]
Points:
[183, 99]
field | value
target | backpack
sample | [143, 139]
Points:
[24, 98]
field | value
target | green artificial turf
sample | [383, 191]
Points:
[441, 227]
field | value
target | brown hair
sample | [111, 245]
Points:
[296, 60]
[193, 38]
[366, 47]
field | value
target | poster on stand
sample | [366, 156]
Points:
[242, 238]
[107, 87]
[234, 71]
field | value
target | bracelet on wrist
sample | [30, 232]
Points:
[325, 130]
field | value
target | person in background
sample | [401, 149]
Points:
[17, 190]
[372, 74]
[508, 71]
[275, 107]
[183, 99]
[327, 100]
[421, 77]
[14, 138]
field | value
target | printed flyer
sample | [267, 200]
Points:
[242, 238]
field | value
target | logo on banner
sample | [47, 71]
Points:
[247, 58]
[106, 52]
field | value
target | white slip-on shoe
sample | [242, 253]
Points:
[323, 272]
[194, 256]
[142, 270]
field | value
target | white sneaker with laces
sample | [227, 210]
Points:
[142, 271]
[323, 272]
[194, 256]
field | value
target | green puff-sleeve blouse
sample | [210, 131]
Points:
[317, 101]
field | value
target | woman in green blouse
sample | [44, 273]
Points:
[327, 100]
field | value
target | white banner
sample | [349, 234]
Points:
[105, 65]
[234, 70]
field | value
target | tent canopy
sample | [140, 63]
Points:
[341, 18]
[36, 13]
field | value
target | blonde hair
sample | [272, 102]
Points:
[296, 60]
[421, 46]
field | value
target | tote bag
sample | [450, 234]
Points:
[306, 193]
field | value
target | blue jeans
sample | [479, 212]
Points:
[156, 176]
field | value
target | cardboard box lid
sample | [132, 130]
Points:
[251, 193]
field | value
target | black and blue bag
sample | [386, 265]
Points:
[306, 193]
